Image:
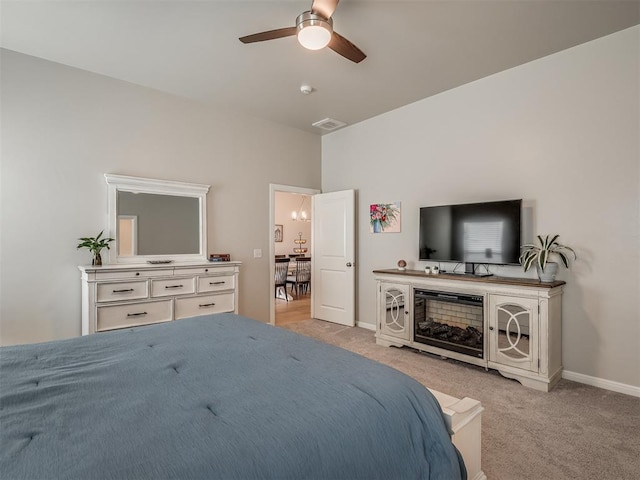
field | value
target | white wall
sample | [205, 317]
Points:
[562, 133]
[63, 128]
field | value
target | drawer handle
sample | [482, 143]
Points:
[202, 305]
[217, 283]
[174, 286]
[139, 314]
[123, 291]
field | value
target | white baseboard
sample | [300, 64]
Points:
[602, 383]
[367, 326]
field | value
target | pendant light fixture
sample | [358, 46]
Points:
[300, 215]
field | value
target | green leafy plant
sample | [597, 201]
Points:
[540, 254]
[95, 246]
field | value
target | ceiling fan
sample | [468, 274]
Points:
[314, 29]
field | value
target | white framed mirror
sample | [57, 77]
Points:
[156, 220]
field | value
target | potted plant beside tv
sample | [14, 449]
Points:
[95, 246]
[540, 254]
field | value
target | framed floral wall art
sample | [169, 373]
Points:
[384, 218]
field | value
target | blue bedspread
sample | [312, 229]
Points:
[215, 397]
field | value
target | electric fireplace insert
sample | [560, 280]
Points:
[450, 321]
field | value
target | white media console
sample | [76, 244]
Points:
[512, 325]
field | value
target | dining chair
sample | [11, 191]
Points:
[282, 269]
[301, 280]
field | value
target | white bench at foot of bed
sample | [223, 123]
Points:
[464, 421]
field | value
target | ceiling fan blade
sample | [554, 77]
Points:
[344, 47]
[324, 8]
[270, 35]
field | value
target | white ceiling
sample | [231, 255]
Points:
[415, 49]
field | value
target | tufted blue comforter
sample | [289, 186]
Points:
[215, 397]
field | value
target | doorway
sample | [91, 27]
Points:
[291, 235]
[127, 235]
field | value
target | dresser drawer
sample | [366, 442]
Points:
[132, 314]
[204, 305]
[116, 275]
[111, 292]
[209, 270]
[215, 284]
[173, 286]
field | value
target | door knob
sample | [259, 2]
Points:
[349, 264]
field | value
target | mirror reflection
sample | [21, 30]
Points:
[154, 224]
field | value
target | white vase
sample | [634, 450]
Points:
[549, 273]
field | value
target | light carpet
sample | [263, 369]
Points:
[573, 432]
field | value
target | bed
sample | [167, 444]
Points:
[219, 397]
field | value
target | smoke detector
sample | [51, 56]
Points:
[328, 124]
[306, 89]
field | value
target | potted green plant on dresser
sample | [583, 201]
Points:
[547, 247]
[95, 246]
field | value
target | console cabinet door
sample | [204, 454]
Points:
[513, 331]
[395, 319]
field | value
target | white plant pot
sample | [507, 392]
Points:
[549, 274]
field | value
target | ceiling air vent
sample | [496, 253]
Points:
[328, 124]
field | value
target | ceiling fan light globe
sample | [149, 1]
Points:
[314, 37]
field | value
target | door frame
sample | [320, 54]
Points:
[273, 188]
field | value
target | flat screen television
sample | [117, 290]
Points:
[472, 233]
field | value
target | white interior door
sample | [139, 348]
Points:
[333, 274]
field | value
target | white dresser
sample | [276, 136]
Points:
[121, 296]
